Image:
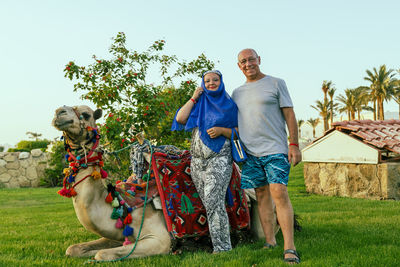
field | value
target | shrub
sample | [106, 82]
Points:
[27, 146]
[53, 176]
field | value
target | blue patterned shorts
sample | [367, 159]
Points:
[260, 171]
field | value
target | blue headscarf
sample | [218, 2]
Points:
[213, 109]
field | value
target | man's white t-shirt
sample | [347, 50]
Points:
[262, 126]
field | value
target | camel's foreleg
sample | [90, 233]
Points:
[146, 246]
[89, 249]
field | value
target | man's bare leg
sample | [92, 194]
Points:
[266, 213]
[284, 211]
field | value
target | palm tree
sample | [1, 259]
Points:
[299, 124]
[382, 87]
[332, 107]
[34, 135]
[314, 123]
[396, 95]
[348, 103]
[323, 109]
[326, 86]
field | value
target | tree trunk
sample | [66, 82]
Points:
[348, 115]
[313, 132]
[374, 110]
[382, 111]
[325, 124]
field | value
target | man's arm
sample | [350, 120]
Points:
[291, 122]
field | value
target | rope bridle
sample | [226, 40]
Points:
[76, 162]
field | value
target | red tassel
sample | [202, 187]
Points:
[72, 192]
[109, 198]
[128, 219]
[64, 192]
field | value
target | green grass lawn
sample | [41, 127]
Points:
[37, 225]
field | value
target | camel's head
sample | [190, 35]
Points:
[74, 120]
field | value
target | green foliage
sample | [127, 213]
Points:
[53, 176]
[27, 146]
[38, 225]
[121, 87]
[131, 103]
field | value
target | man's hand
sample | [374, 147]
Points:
[294, 155]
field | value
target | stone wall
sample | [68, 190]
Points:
[380, 181]
[22, 169]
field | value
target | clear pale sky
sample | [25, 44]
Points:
[303, 42]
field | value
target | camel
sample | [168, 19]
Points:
[78, 125]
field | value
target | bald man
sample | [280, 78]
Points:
[265, 108]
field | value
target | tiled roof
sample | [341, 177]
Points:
[384, 135]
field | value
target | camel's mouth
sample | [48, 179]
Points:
[62, 125]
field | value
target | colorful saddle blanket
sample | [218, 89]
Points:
[183, 210]
[134, 194]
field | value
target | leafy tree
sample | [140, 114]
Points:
[132, 102]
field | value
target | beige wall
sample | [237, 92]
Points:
[22, 169]
[372, 181]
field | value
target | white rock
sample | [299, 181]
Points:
[13, 165]
[23, 155]
[2, 170]
[10, 157]
[5, 177]
[23, 182]
[13, 183]
[31, 173]
[2, 154]
[14, 173]
[2, 163]
[26, 162]
[36, 152]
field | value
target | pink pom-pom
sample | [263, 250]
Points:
[122, 202]
[103, 173]
[119, 224]
[127, 242]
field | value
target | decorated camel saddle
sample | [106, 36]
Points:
[170, 184]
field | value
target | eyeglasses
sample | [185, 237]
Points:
[250, 60]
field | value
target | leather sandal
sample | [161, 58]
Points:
[269, 246]
[291, 260]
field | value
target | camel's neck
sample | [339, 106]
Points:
[90, 199]
[79, 143]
